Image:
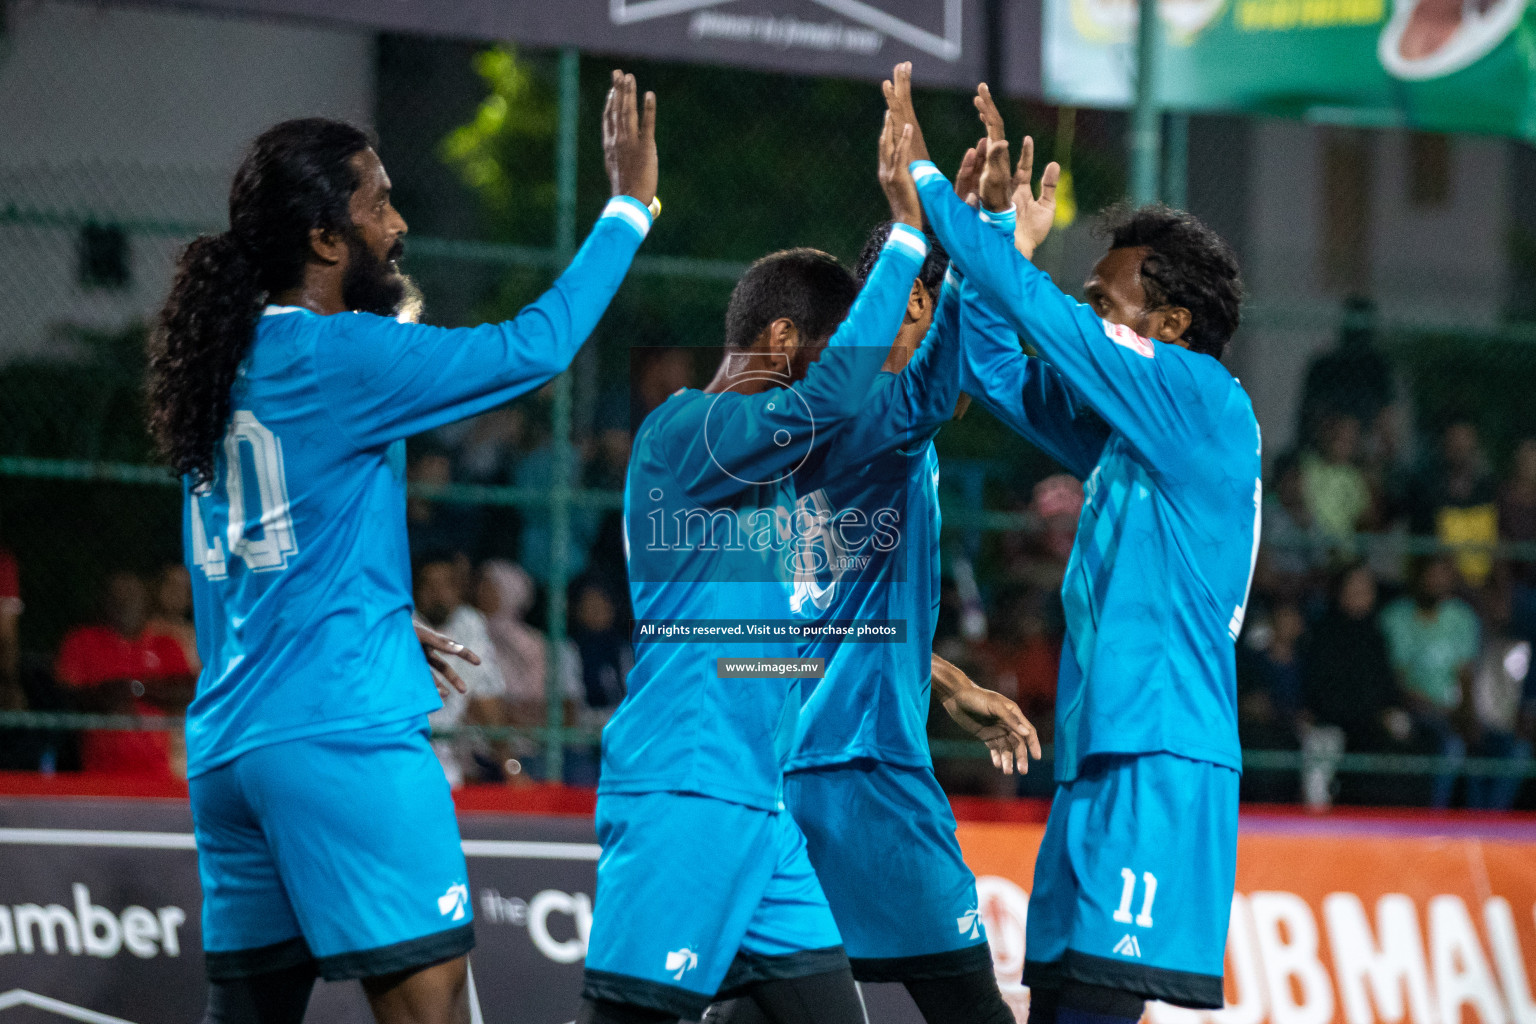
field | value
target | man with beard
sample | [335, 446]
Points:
[282, 388]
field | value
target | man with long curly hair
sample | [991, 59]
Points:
[283, 384]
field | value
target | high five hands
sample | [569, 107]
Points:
[1000, 189]
[984, 173]
[629, 140]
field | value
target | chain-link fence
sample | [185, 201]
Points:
[1401, 440]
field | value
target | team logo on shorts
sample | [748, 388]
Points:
[970, 921]
[681, 961]
[1128, 946]
[451, 904]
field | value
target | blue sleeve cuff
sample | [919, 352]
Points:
[1003, 220]
[631, 211]
[908, 238]
[923, 170]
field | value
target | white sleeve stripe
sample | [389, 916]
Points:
[629, 211]
[952, 277]
[910, 239]
[921, 172]
[1010, 214]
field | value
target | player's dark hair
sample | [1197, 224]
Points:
[1189, 265]
[931, 273]
[296, 176]
[805, 286]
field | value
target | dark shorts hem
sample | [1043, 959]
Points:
[247, 963]
[653, 995]
[924, 967]
[412, 954]
[1181, 988]
[748, 969]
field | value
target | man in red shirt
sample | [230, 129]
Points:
[119, 668]
[11, 695]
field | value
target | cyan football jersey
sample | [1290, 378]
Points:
[876, 504]
[709, 506]
[1157, 582]
[301, 575]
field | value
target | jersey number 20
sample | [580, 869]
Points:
[267, 484]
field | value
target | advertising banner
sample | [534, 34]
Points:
[1336, 923]
[1444, 65]
[846, 38]
[1330, 924]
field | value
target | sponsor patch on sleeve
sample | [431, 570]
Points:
[1127, 338]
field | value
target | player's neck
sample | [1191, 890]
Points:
[319, 292]
[734, 374]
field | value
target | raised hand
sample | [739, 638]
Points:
[1036, 215]
[629, 140]
[898, 100]
[895, 178]
[968, 178]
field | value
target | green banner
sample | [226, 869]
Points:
[1440, 65]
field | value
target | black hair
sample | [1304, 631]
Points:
[1189, 265]
[806, 286]
[296, 176]
[931, 273]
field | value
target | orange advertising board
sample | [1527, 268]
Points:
[1332, 925]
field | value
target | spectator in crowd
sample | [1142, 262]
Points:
[1352, 378]
[438, 526]
[1433, 637]
[605, 470]
[1294, 547]
[488, 454]
[1337, 495]
[604, 646]
[1456, 499]
[120, 667]
[1499, 721]
[1023, 654]
[1347, 677]
[504, 593]
[1517, 525]
[440, 604]
[537, 470]
[606, 659]
[12, 697]
[1270, 677]
[660, 373]
[171, 611]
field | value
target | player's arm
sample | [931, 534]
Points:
[903, 410]
[1150, 397]
[835, 388]
[1025, 392]
[987, 715]
[386, 380]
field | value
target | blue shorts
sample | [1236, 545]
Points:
[882, 839]
[342, 848]
[1133, 882]
[698, 897]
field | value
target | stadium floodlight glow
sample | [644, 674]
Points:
[946, 47]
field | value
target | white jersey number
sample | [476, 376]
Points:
[267, 485]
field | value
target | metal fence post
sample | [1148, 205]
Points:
[1176, 160]
[1147, 115]
[560, 426]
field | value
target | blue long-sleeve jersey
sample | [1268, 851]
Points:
[876, 504]
[301, 575]
[1157, 582]
[710, 534]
